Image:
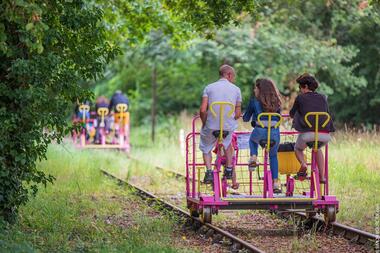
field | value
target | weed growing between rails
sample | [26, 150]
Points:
[85, 212]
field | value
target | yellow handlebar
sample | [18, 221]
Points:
[270, 115]
[221, 114]
[317, 114]
[222, 104]
[121, 107]
[84, 109]
[102, 112]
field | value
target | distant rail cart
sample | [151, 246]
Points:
[102, 129]
[256, 187]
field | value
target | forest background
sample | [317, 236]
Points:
[162, 53]
[337, 41]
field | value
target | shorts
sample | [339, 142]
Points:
[208, 140]
[304, 138]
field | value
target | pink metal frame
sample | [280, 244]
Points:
[123, 133]
[195, 199]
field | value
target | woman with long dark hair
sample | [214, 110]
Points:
[266, 98]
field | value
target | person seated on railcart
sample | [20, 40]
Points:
[266, 98]
[222, 90]
[118, 98]
[102, 103]
[82, 111]
[310, 101]
[79, 113]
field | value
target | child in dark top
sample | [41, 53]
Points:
[310, 101]
[118, 98]
[266, 99]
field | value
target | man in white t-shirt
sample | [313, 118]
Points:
[222, 90]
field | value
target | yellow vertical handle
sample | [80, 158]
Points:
[221, 114]
[316, 127]
[102, 112]
[269, 115]
[84, 109]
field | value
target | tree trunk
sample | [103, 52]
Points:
[154, 100]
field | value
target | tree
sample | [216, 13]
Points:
[267, 50]
[46, 49]
[354, 24]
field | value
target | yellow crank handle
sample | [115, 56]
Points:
[222, 103]
[317, 114]
[270, 115]
[121, 107]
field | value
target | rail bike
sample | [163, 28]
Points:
[256, 187]
[103, 130]
[87, 128]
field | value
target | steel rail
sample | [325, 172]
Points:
[350, 233]
[180, 212]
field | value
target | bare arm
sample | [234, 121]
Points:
[203, 110]
[238, 110]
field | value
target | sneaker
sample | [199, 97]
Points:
[228, 173]
[252, 165]
[209, 177]
[276, 188]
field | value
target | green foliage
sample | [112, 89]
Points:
[208, 14]
[46, 50]
[335, 40]
[282, 54]
[49, 48]
[347, 23]
[85, 212]
[270, 50]
[131, 21]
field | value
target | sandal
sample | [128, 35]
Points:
[252, 164]
[301, 175]
[235, 186]
[276, 187]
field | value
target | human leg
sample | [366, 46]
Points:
[298, 150]
[273, 160]
[229, 151]
[207, 142]
[253, 150]
[324, 138]
[321, 165]
[228, 170]
[207, 157]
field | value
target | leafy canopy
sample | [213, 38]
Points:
[48, 49]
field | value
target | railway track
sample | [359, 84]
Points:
[206, 229]
[354, 235]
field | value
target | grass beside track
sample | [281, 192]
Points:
[353, 160]
[84, 212]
